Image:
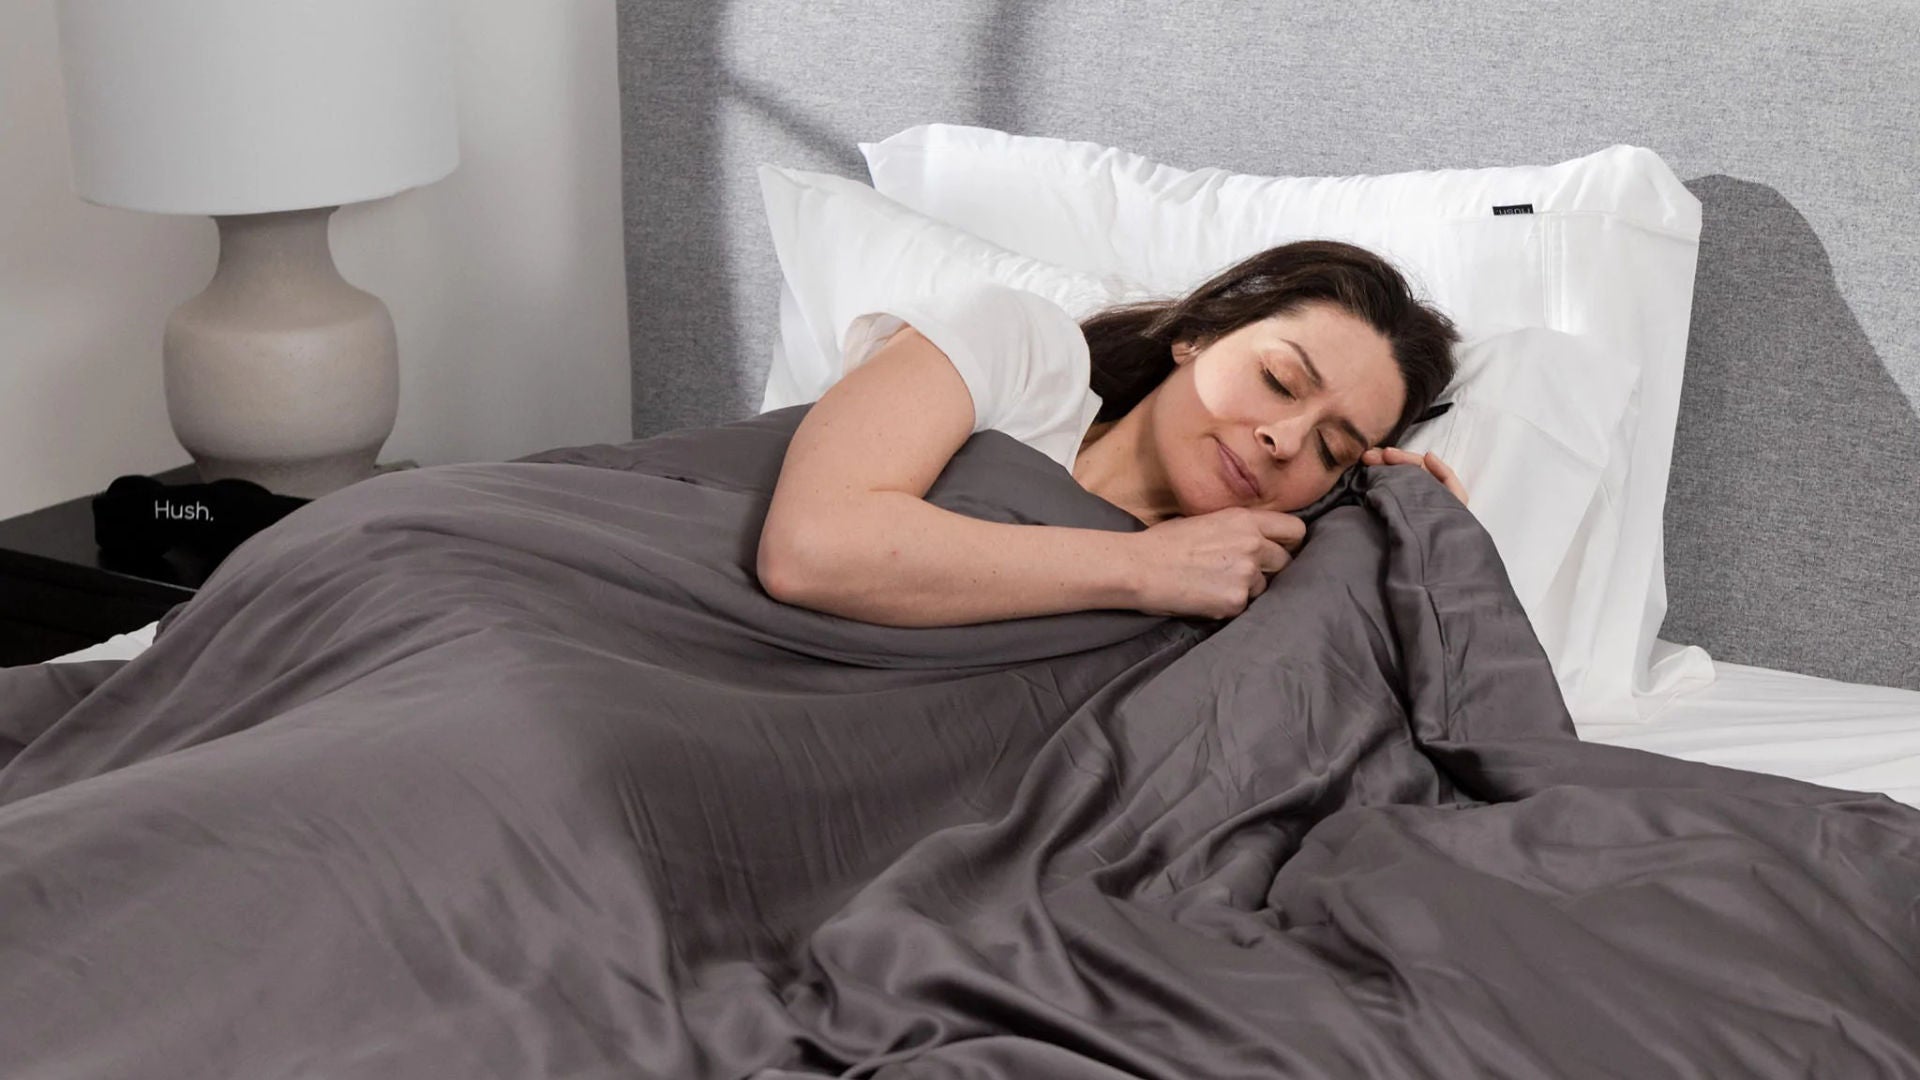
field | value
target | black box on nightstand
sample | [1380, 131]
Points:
[60, 592]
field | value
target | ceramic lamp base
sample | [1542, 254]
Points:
[281, 372]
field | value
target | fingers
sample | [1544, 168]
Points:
[1393, 455]
[1284, 529]
[1273, 558]
[1390, 455]
[1444, 473]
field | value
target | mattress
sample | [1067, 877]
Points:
[1837, 734]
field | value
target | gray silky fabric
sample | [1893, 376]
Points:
[513, 771]
[1792, 515]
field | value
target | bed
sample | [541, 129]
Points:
[509, 769]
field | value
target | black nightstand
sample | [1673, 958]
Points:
[58, 595]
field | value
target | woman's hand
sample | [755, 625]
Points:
[1393, 455]
[1213, 564]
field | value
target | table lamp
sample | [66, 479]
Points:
[267, 115]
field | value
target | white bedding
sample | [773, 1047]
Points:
[1843, 735]
[1837, 734]
[118, 647]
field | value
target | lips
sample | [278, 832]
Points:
[1238, 476]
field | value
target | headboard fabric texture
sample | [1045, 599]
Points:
[1793, 505]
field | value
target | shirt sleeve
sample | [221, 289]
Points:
[1022, 357]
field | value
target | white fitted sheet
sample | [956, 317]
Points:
[1837, 734]
[1842, 735]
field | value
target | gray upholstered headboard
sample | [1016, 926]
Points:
[1795, 491]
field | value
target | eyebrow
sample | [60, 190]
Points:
[1313, 374]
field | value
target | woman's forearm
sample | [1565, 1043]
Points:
[893, 558]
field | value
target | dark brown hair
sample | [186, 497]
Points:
[1131, 344]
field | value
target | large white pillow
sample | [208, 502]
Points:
[1601, 248]
[846, 250]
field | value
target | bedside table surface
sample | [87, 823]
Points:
[61, 536]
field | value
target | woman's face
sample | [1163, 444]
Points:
[1339, 392]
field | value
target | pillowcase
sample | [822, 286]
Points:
[1535, 423]
[845, 250]
[1601, 249]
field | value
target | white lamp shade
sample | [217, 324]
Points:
[249, 106]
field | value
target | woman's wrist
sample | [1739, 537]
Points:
[1120, 575]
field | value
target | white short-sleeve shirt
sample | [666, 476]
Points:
[1022, 356]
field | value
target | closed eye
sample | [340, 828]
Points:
[1326, 456]
[1326, 452]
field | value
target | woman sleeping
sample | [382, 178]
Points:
[517, 770]
[1208, 419]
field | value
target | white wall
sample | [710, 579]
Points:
[506, 279]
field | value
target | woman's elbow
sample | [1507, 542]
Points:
[785, 563]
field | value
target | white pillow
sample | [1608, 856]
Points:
[1604, 251]
[846, 250]
[1536, 419]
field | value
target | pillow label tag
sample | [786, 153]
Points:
[1516, 208]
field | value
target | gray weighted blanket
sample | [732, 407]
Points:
[513, 771]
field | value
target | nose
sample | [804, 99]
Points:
[1283, 438]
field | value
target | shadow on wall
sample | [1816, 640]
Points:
[1002, 53]
[672, 80]
[676, 93]
[1793, 506]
